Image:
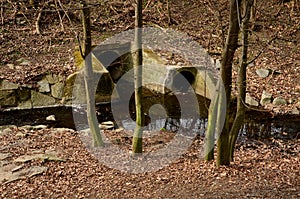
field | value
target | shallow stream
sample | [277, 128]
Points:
[285, 127]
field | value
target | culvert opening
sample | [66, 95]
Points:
[113, 63]
[183, 81]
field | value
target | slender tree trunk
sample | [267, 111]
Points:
[210, 133]
[223, 154]
[89, 77]
[137, 141]
[240, 115]
[169, 12]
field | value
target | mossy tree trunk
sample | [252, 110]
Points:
[89, 76]
[223, 153]
[241, 82]
[211, 128]
[137, 141]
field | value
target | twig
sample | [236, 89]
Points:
[261, 51]
[37, 22]
[16, 11]
[60, 18]
[114, 10]
[62, 7]
[80, 48]
[38, 19]
[147, 5]
[2, 9]
[169, 12]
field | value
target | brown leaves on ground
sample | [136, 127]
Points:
[205, 21]
[262, 169]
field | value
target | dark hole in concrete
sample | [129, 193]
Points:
[183, 81]
[114, 63]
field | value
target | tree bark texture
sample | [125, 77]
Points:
[223, 153]
[241, 82]
[89, 77]
[137, 141]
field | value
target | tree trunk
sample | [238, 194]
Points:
[210, 133]
[239, 119]
[89, 77]
[223, 153]
[137, 141]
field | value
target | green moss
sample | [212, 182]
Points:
[78, 58]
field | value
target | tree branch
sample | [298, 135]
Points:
[261, 51]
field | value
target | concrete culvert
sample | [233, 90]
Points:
[107, 57]
[183, 81]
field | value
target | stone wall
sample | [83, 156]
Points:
[52, 89]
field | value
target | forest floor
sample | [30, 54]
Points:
[262, 169]
[275, 36]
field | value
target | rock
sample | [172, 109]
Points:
[8, 98]
[24, 94]
[37, 127]
[6, 174]
[43, 86]
[12, 172]
[218, 64]
[6, 129]
[295, 111]
[250, 100]
[50, 118]
[11, 66]
[279, 101]
[263, 73]
[3, 156]
[23, 62]
[75, 85]
[25, 104]
[6, 85]
[38, 156]
[251, 64]
[107, 125]
[266, 98]
[20, 135]
[290, 101]
[57, 90]
[62, 130]
[37, 151]
[119, 130]
[39, 99]
[52, 78]
[298, 104]
[151, 58]
[35, 170]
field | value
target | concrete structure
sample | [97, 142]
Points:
[114, 75]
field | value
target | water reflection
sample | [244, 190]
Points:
[275, 129]
[251, 129]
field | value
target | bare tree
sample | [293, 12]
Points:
[137, 141]
[89, 76]
[226, 142]
[241, 82]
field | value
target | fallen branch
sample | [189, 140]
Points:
[2, 10]
[59, 16]
[38, 19]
